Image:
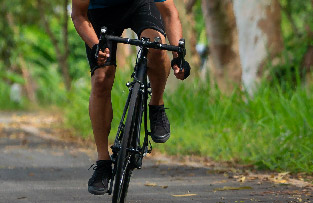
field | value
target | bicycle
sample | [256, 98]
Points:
[127, 150]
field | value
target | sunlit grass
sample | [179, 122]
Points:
[273, 129]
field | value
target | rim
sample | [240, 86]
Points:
[122, 180]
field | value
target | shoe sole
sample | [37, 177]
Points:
[161, 140]
[94, 191]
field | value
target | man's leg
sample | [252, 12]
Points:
[159, 68]
[100, 108]
[101, 114]
[158, 71]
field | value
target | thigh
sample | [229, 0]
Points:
[147, 16]
[105, 17]
[156, 57]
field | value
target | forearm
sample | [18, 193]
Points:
[173, 29]
[85, 30]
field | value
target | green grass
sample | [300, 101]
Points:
[273, 129]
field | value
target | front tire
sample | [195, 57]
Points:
[124, 159]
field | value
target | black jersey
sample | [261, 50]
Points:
[109, 3]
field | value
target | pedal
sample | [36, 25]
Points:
[113, 158]
[111, 181]
[111, 187]
[138, 161]
[150, 150]
[109, 191]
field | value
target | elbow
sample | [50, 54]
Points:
[175, 14]
[171, 15]
[74, 17]
[77, 19]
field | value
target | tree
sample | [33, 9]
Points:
[223, 42]
[10, 51]
[20, 15]
[307, 61]
[259, 26]
[61, 46]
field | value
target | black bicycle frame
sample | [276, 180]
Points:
[140, 71]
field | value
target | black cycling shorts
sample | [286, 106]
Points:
[137, 15]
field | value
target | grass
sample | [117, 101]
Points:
[272, 130]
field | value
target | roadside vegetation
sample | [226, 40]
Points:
[272, 130]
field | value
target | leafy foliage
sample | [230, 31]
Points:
[297, 28]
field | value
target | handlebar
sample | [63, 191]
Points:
[143, 42]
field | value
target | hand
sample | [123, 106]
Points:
[101, 58]
[180, 74]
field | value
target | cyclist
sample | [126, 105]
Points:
[146, 18]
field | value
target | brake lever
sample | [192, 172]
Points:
[102, 41]
[182, 53]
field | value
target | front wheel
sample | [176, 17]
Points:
[124, 161]
[122, 179]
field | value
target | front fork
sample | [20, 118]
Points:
[138, 152]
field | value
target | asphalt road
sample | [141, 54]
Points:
[36, 166]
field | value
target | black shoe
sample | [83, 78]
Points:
[98, 184]
[159, 124]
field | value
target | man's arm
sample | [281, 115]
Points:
[172, 22]
[81, 22]
[84, 27]
[173, 29]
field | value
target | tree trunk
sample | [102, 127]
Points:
[64, 59]
[260, 39]
[61, 50]
[307, 60]
[223, 41]
[189, 5]
[28, 85]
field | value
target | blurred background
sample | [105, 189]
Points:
[249, 98]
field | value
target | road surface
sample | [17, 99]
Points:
[36, 165]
